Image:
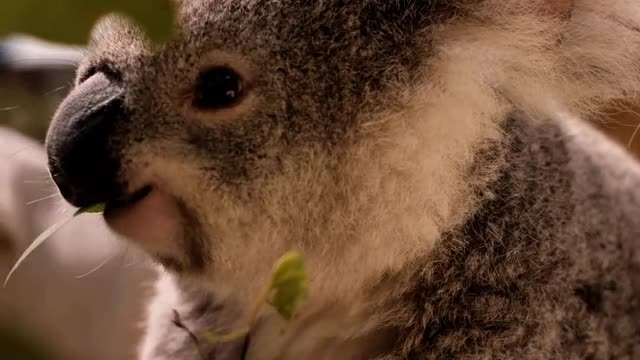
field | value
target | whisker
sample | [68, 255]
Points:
[633, 136]
[62, 208]
[42, 177]
[121, 254]
[134, 263]
[125, 253]
[49, 181]
[22, 60]
[636, 126]
[42, 199]
[97, 267]
[56, 90]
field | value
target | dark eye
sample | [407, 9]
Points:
[218, 88]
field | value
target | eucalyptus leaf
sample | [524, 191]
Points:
[290, 284]
[92, 209]
[70, 21]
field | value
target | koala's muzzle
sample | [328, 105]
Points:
[82, 160]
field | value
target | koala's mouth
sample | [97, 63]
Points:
[127, 200]
[149, 216]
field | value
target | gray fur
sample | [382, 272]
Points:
[415, 152]
[533, 274]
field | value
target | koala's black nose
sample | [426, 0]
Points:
[82, 160]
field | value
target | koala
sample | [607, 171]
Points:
[428, 160]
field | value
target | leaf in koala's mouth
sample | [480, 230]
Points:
[93, 209]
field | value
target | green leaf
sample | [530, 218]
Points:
[290, 284]
[70, 21]
[92, 209]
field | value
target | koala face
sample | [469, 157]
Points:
[236, 137]
[341, 129]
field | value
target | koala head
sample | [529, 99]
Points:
[342, 129]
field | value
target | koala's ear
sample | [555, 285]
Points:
[560, 8]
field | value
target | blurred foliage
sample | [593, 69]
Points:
[70, 21]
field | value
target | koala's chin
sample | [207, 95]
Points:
[154, 222]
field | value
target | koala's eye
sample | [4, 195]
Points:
[218, 88]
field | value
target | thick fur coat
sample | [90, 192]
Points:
[423, 156]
